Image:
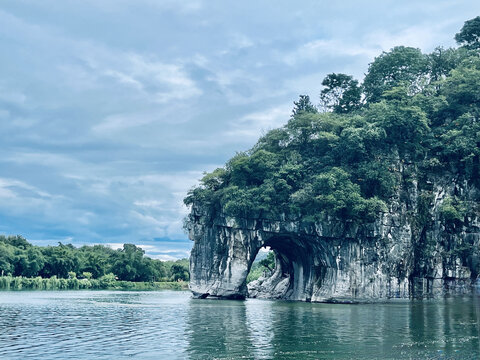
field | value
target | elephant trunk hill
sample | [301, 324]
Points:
[372, 194]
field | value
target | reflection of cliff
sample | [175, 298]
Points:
[433, 324]
[393, 257]
[257, 329]
[402, 330]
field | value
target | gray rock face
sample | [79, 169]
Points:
[408, 251]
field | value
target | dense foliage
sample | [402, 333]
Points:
[20, 258]
[469, 35]
[413, 111]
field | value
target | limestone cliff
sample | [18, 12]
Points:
[375, 197]
[408, 251]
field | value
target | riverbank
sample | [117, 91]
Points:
[104, 283]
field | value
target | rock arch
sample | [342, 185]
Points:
[302, 266]
[334, 262]
[342, 261]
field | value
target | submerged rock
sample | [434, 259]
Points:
[403, 254]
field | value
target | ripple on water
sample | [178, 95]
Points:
[166, 324]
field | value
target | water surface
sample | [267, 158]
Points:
[171, 325]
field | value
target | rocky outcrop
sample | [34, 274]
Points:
[410, 250]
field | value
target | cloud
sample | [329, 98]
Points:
[424, 36]
[320, 49]
[153, 203]
[111, 111]
[12, 97]
[145, 77]
[14, 188]
[249, 127]
[185, 6]
[159, 81]
[158, 250]
[117, 122]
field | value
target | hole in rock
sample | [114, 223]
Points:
[286, 268]
[263, 265]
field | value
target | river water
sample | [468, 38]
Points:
[171, 325]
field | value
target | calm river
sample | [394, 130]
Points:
[171, 325]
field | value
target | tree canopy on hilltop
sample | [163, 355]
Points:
[412, 108]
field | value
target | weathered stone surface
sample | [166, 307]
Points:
[397, 256]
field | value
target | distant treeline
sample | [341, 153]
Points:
[65, 266]
[106, 282]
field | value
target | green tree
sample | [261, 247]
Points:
[405, 125]
[160, 269]
[376, 179]
[59, 260]
[35, 262]
[128, 263]
[461, 88]
[6, 259]
[275, 140]
[303, 105]
[180, 272]
[239, 170]
[262, 164]
[18, 241]
[150, 270]
[337, 195]
[96, 260]
[341, 93]
[469, 35]
[460, 145]
[452, 210]
[360, 142]
[401, 65]
[302, 127]
[442, 61]
[214, 180]
[269, 261]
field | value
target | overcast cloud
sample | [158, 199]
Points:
[111, 110]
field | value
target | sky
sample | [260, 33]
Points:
[111, 110]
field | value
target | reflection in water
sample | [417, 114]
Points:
[285, 330]
[451, 326]
[218, 328]
[171, 325]
[260, 322]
